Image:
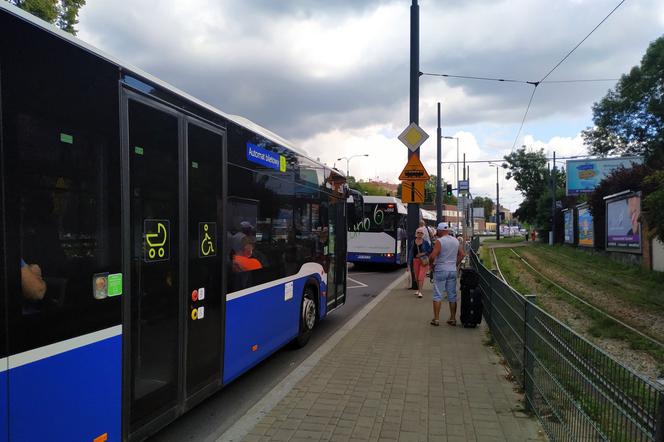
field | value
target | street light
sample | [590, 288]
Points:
[456, 175]
[348, 161]
[497, 202]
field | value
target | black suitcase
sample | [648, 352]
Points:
[471, 306]
[469, 278]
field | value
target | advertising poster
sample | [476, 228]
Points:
[586, 230]
[584, 175]
[623, 230]
[569, 226]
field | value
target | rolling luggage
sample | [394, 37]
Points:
[469, 278]
[471, 298]
[471, 306]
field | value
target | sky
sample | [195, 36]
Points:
[333, 77]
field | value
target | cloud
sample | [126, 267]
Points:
[334, 76]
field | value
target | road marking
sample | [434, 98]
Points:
[360, 284]
[246, 423]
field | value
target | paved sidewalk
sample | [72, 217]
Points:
[396, 377]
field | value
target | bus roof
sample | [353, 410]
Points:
[427, 215]
[374, 199]
[54, 30]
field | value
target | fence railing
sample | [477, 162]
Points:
[577, 391]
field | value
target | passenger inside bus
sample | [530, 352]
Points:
[33, 285]
[243, 260]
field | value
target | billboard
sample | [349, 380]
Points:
[569, 225]
[623, 230]
[586, 230]
[584, 175]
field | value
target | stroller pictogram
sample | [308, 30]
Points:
[156, 241]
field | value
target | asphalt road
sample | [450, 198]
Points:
[214, 416]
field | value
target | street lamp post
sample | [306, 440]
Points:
[497, 202]
[456, 175]
[348, 161]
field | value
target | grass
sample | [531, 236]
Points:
[485, 258]
[631, 283]
[505, 240]
[600, 326]
[510, 266]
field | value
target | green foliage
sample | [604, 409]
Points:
[630, 118]
[486, 203]
[653, 203]
[528, 169]
[619, 180]
[62, 13]
[369, 188]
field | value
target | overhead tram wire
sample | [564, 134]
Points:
[511, 80]
[534, 83]
[502, 160]
[556, 67]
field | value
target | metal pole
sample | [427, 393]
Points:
[414, 209]
[439, 186]
[456, 184]
[553, 199]
[347, 167]
[497, 207]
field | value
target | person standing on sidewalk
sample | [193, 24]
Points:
[419, 253]
[428, 238]
[446, 256]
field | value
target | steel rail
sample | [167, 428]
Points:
[597, 309]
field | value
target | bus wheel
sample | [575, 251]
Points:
[307, 317]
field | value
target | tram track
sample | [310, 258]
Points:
[584, 302]
[608, 387]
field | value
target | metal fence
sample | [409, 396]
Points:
[577, 391]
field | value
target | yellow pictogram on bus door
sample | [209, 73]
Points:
[157, 245]
[207, 239]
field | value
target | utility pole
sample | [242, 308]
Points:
[497, 207]
[553, 200]
[439, 186]
[413, 208]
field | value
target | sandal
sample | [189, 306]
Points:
[434, 322]
[451, 322]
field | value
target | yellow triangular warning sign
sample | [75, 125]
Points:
[414, 170]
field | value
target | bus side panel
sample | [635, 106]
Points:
[3, 402]
[258, 324]
[70, 396]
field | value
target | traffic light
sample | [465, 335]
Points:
[449, 190]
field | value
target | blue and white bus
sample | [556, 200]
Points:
[381, 235]
[152, 247]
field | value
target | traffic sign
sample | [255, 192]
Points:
[414, 170]
[463, 186]
[412, 191]
[413, 136]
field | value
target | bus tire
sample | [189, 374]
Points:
[308, 316]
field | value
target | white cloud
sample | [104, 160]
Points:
[334, 76]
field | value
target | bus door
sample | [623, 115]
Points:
[4, 404]
[173, 314]
[336, 246]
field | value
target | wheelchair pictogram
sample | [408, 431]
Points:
[156, 236]
[207, 239]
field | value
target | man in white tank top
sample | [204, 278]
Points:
[446, 255]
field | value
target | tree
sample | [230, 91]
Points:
[653, 204]
[633, 178]
[62, 13]
[629, 120]
[528, 169]
[486, 203]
